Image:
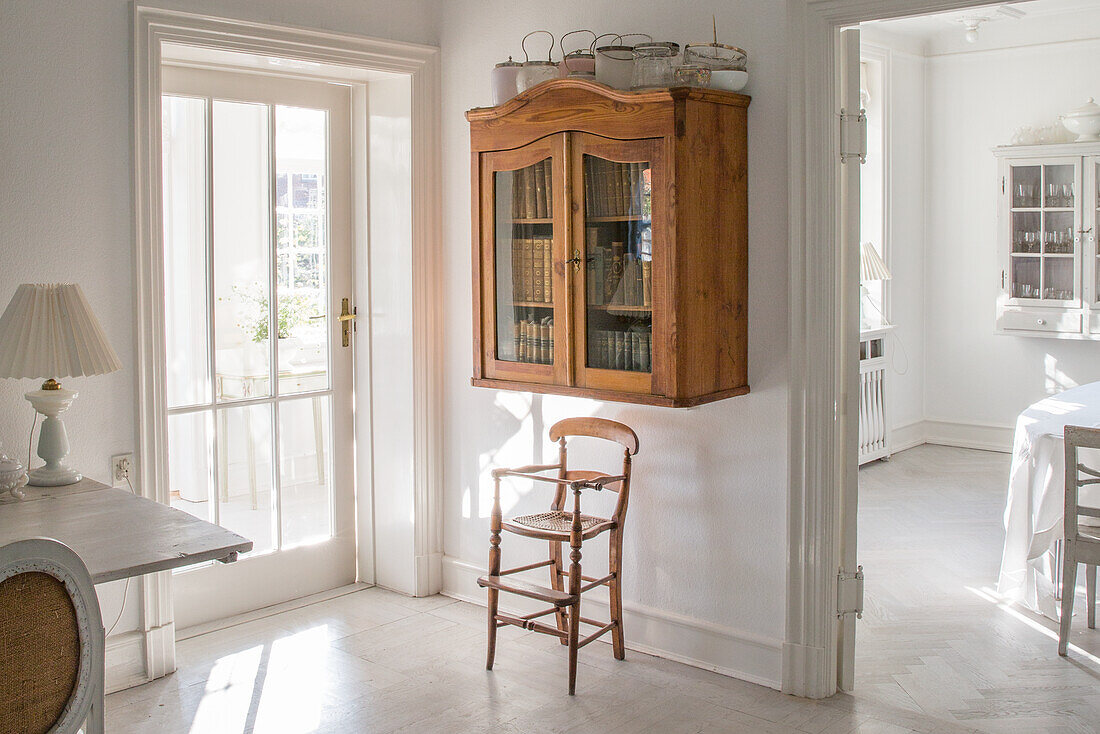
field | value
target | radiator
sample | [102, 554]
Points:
[874, 433]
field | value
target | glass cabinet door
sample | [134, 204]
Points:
[1044, 255]
[524, 328]
[1089, 236]
[615, 240]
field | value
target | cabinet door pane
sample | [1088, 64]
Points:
[1093, 234]
[1027, 184]
[619, 252]
[1058, 190]
[523, 211]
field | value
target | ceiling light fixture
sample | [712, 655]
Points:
[972, 23]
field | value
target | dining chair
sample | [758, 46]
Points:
[51, 641]
[1082, 542]
[558, 526]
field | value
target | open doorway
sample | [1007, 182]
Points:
[978, 287]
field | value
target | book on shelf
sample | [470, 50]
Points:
[540, 190]
[528, 275]
[534, 340]
[529, 205]
[627, 350]
[548, 187]
[537, 281]
[547, 271]
[647, 283]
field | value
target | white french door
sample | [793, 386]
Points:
[258, 265]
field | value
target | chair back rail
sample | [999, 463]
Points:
[1076, 438]
[596, 428]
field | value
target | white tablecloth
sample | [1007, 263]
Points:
[1036, 495]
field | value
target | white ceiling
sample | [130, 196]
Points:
[928, 27]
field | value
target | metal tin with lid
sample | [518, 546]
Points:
[653, 64]
[503, 80]
[535, 71]
[579, 63]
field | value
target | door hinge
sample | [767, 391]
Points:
[853, 136]
[849, 593]
[1002, 184]
[1002, 280]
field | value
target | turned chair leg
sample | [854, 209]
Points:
[491, 652]
[1090, 593]
[574, 589]
[1069, 586]
[558, 584]
[495, 523]
[615, 590]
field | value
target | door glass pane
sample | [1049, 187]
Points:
[619, 253]
[1025, 277]
[524, 252]
[183, 151]
[1027, 232]
[189, 467]
[1058, 278]
[1058, 233]
[242, 250]
[301, 215]
[1096, 224]
[1027, 183]
[244, 476]
[305, 470]
[1058, 186]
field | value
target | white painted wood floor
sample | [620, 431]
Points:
[933, 639]
[933, 656]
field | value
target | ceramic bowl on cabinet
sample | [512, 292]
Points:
[1084, 122]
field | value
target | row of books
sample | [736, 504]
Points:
[532, 270]
[620, 350]
[534, 340]
[532, 192]
[613, 189]
[617, 277]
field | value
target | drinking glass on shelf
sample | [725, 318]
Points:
[1067, 194]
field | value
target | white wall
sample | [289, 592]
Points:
[705, 534]
[902, 70]
[976, 100]
[66, 209]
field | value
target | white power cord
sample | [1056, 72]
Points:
[126, 589]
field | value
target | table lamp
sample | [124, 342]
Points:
[871, 268]
[49, 332]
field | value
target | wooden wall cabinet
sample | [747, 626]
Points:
[610, 234]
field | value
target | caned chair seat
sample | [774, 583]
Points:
[555, 524]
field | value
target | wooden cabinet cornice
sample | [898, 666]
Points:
[610, 243]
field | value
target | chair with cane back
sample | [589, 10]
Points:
[558, 526]
[51, 641]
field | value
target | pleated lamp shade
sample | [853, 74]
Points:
[49, 331]
[871, 265]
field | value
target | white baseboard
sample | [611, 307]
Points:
[983, 436]
[125, 661]
[677, 637]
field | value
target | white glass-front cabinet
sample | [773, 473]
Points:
[1050, 264]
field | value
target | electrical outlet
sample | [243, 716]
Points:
[122, 468]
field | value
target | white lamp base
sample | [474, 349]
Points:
[53, 441]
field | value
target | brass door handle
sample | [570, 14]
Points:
[346, 319]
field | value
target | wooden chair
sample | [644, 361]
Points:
[562, 526]
[1082, 542]
[51, 641]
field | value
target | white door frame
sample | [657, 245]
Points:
[816, 466]
[420, 64]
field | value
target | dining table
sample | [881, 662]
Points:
[1030, 572]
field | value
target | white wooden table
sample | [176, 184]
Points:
[117, 534]
[1030, 564]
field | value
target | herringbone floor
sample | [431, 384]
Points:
[934, 639]
[936, 653]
